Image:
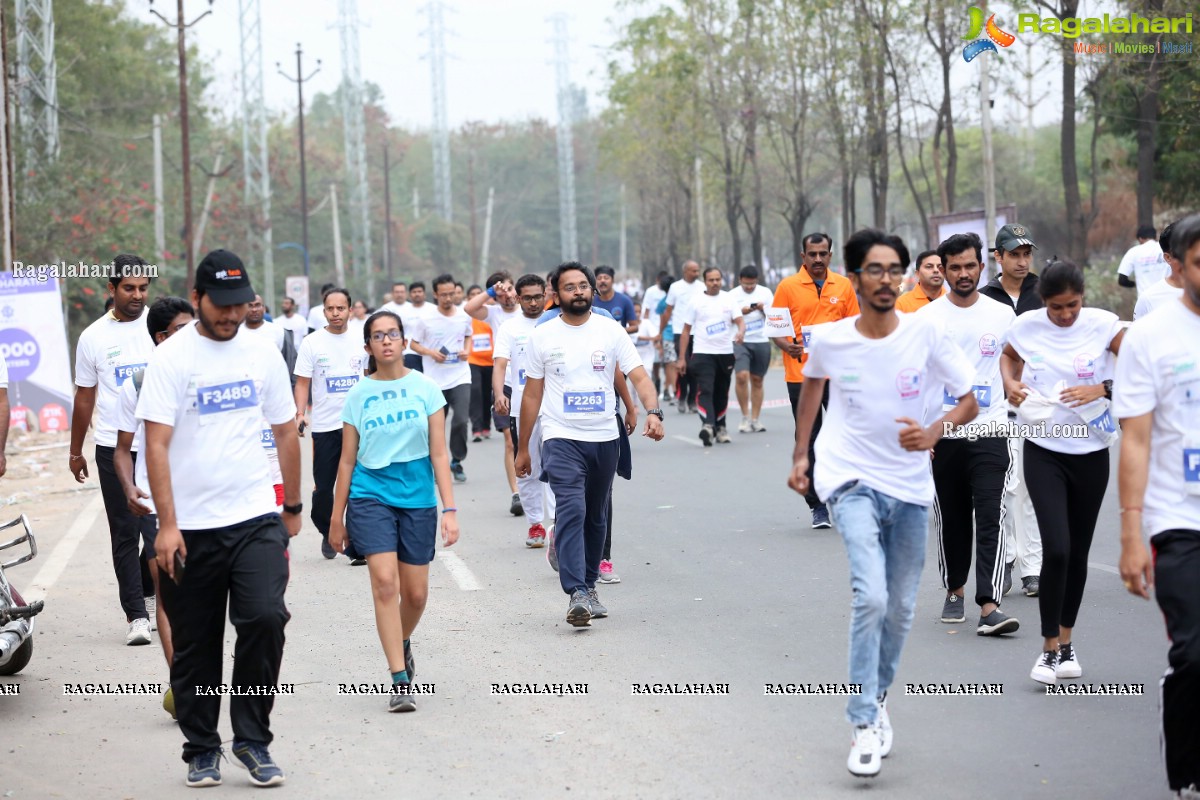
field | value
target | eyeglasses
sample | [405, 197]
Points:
[532, 298]
[876, 271]
[379, 336]
[573, 288]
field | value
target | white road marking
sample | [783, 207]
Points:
[459, 570]
[58, 559]
[688, 440]
[1104, 567]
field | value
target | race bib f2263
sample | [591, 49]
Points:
[583, 402]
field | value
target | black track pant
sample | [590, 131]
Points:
[810, 496]
[713, 374]
[1176, 565]
[327, 452]
[687, 381]
[124, 532]
[481, 398]
[1066, 491]
[969, 477]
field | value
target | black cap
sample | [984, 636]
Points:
[222, 276]
[1010, 237]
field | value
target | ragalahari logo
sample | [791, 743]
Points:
[995, 36]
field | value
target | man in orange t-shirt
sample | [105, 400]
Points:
[931, 284]
[814, 295]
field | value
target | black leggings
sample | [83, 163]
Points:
[1067, 491]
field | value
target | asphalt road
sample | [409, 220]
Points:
[723, 582]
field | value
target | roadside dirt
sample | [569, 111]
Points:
[39, 485]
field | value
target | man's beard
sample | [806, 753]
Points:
[578, 307]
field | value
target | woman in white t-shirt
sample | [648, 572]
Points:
[1053, 368]
[393, 457]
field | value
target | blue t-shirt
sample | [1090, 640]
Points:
[556, 312]
[392, 420]
[620, 307]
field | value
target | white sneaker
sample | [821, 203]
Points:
[884, 724]
[756, 426]
[152, 610]
[1068, 663]
[139, 632]
[1044, 669]
[744, 426]
[864, 760]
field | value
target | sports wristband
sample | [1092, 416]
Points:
[447, 510]
[491, 291]
[75, 456]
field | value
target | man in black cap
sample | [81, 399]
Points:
[1018, 287]
[220, 540]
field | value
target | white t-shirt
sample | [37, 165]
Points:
[980, 331]
[1145, 263]
[513, 343]
[268, 330]
[711, 317]
[296, 324]
[107, 353]
[756, 332]
[578, 363]
[354, 326]
[1159, 371]
[678, 296]
[409, 314]
[316, 317]
[497, 316]
[436, 330]
[215, 396]
[643, 340]
[335, 363]
[393, 307]
[127, 421]
[1158, 295]
[1077, 355]
[650, 302]
[872, 382]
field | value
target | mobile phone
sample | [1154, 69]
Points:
[180, 566]
[303, 425]
[754, 305]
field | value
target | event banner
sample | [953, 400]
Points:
[33, 342]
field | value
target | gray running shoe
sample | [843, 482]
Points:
[1031, 585]
[1008, 568]
[723, 436]
[402, 698]
[706, 435]
[579, 610]
[997, 623]
[598, 609]
[552, 551]
[952, 609]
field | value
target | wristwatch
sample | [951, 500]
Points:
[1108, 389]
[296, 509]
[656, 412]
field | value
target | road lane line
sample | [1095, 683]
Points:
[459, 570]
[1104, 567]
[688, 440]
[61, 555]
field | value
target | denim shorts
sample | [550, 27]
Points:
[374, 527]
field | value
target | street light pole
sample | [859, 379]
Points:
[180, 28]
[300, 80]
[387, 216]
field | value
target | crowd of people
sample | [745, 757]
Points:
[994, 405]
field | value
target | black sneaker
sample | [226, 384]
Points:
[257, 760]
[515, 508]
[1030, 586]
[402, 698]
[579, 610]
[358, 562]
[327, 549]
[952, 609]
[1008, 568]
[997, 623]
[706, 435]
[598, 609]
[205, 769]
[457, 471]
[820, 517]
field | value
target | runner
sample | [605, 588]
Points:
[258, 325]
[414, 309]
[1156, 399]
[1144, 261]
[714, 319]
[931, 284]
[814, 296]
[316, 314]
[615, 303]
[292, 321]
[166, 317]
[480, 359]
[1169, 288]
[872, 467]
[508, 385]
[679, 295]
[969, 472]
[1018, 287]
[443, 338]
[335, 359]
[666, 339]
[358, 318]
[570, 373]
[108, 351]
[398, 299]
[752, 358]
[1052, 367]
[394, 452]
[220, 540]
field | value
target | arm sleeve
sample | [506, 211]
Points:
[950, 366]
[435, 401]
[1126, 267]
[126, 416]
[534, 367]
[735, 308]
[1134, 392]
[163, 390]
[278, 404]
[304, 359]
[814, 366]
[85, 367]
[627, 354]
[503, 346]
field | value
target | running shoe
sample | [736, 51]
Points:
[952, 609]
[410, 664]
[402, 698]
[744, 426]
[551, 551]
[1008, 568]
[1031, 585]
[537, 536]
[706, 435]
[1188, 793]
[682, 407]
[757, 426]
[515, 508]
[477, 437]
[327, 549]
[598, 608]
[139, 632]
[1045, 668]
[820, 517]
[152, 611]
[457, 471]
[257, 760]
[997, 623]
[1068, 662]
[579, 609]
[606, 573]
[205, 769]
[358, 562]
[865, 760]
[884, 724]
[692, 408]
[723, 436]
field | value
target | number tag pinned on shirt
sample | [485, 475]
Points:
[340, 384]
[224, 397]
[716, 328]
[268, 439]
[521, 377]
[983, 396]
[1191, 465]
[121, 374]
[586, 402]
[482, 341]
[754, 325]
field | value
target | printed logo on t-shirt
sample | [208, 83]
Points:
[1085, 365]
[988, 345]
[908, 383]
[833, 298]
[599, 362]
[123, 373]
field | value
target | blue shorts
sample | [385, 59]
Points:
[374, 527]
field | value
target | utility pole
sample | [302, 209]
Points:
[256, 173]
[36, 83]
[208, 197]
[471, 201]
[416, 203]
[300, 80]
[989, 163]
[487, 236]
[436, 32]
[356, 148]
[185, 143]
[566, 147]
[338, 266]
[621, 259]
[7, 227]
[387, 217]
[700, 252]
[160, 218]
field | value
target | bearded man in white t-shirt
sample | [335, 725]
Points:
[872, 466]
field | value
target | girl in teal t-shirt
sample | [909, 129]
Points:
[393, 454]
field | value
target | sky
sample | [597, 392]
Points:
[499, 66]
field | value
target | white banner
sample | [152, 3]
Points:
[33, 341]
[779, 323]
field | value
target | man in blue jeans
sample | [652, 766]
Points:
[872, 468]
